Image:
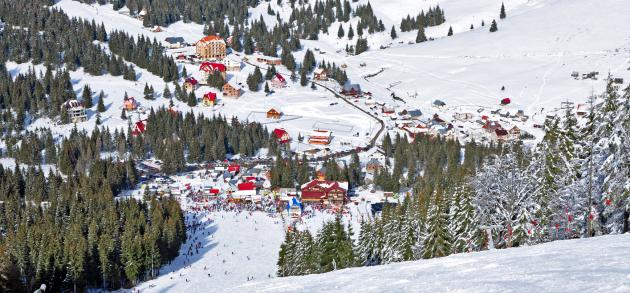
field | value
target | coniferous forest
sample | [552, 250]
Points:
[573, 184]
[65, 228]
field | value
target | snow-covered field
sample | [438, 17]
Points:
[600, 264]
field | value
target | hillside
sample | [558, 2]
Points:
[585, 265]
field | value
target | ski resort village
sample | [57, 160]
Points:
[314, 146]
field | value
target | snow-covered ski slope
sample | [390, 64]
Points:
[600, 264]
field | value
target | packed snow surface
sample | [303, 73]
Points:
[600, 264]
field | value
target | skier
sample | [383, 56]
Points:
[41, 289]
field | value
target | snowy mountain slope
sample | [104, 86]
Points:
[234, 247]
[533, 54]
[115, 20]
[600, 264]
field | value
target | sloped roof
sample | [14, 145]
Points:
[279, 77]
[279, 132]
[174, 40]
[210, 39]
[212, 66]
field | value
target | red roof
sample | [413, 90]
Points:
[210, 38]
[212, 66]
[234, 168]
[501, 132]
[506, 101]
[192, 80]
[325, 186]
[279, 133]
[247, 186]
[484, 117]
[210, 96]
[279, 77]
[139, 127]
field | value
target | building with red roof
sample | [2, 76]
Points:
[278, 81]
[208, 68]
[247, 186]
[321, 190]
[190, 84]
[234, 168]
[209, 99]
[281, 135]
[139, 128]
[211, 47]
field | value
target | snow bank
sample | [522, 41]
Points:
[600, 264]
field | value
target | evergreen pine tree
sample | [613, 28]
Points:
[421, 37]
[438, 240]
[340, 32]
[100, 106]
[502, 13]
[87, 97]
[192, 99]
[450, 31]
[493, 26]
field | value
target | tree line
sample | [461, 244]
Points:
[71, 234]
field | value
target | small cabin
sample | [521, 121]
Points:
[281, 135]
[130, 104]
[353, 90]
[320, 74]
[274, 113]
[190, 84]
[209, 99]
[174, 42]
[278, 81]
[232, 90]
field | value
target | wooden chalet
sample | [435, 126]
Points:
[130, 104]
[372, 166]
[231, 90]
[274, 113]
[325, 191]
[320, 137]
[320, 74]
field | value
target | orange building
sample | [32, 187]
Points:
[231, 90]
[273, 113]
[211, 47]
